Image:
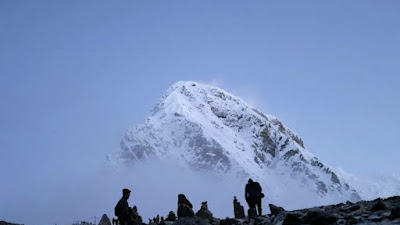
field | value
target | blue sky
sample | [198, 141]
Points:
[75, 75]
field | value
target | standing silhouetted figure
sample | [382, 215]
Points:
[122, 208]
[253, 195]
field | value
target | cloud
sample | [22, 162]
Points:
[155, 185]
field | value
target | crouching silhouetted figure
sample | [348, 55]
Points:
[114, 222]
[134, 217]
[253, 195]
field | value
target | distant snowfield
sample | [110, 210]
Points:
[372, 186]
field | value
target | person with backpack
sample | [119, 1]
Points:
[122, 208]
[253, 195]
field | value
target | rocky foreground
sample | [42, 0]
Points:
[378, 211]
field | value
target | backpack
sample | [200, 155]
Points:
[252, 190]
[117, 209]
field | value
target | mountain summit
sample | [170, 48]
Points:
[205, 128]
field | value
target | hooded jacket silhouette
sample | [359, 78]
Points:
[253, 195]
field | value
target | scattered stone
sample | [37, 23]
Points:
[341, 222]
[319, 218]
[275, 210]
[375, 218]
[262, 220]
[379, 211]
[395, 212]
[229, 221]
[291, 219]
[350, 208]
[105, 220]
[378, 206]
[191, 221]
[238, 209]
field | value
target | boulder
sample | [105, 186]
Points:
[171, 216]
[204, 212]
[379, 206]
[275, 210]
[262, 220]
[105, 220]
[185, 208]
[319, 218]
[291, 218]
[229, 221]
[395, 212]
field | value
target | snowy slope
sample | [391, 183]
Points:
[207, 129]
[372, 186]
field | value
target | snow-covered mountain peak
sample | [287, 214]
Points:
[188, 95]
[208, 129]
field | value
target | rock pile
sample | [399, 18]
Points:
[185, 208]
[204, 212]
[238, 209]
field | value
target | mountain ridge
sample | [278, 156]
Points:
[205, 128]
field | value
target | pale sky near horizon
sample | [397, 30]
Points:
[74, 75]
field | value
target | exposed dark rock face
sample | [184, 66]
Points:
[238, 209]
[185, 208]
[105, 220]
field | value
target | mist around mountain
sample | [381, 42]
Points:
[205, 129]
[215, 173]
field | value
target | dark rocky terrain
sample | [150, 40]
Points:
[378, 211]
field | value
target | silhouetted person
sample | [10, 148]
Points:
[122, 208]
[253, 195]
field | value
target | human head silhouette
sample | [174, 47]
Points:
[126, 192]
